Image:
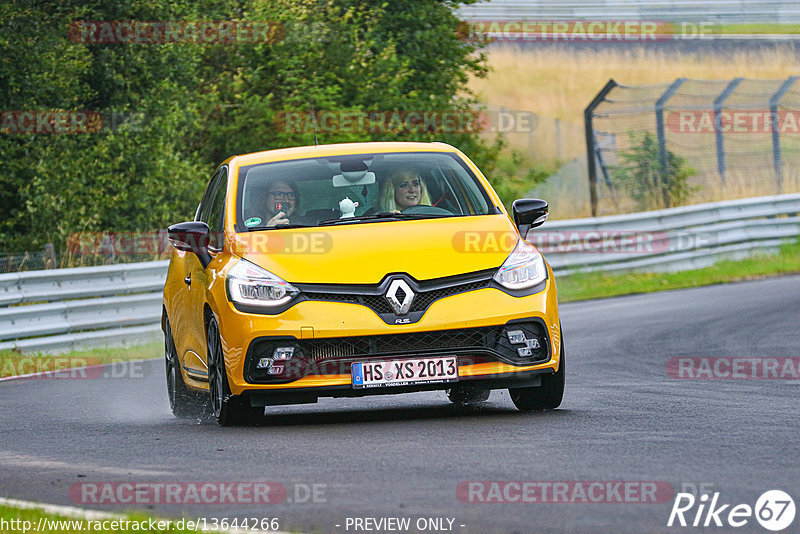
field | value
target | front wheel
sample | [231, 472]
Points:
[228, 409]
[183, 402]
[545, 397]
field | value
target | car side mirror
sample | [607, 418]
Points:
[191, 236]
[529, 213]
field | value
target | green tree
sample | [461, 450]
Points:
[642, 177]
[188, 106]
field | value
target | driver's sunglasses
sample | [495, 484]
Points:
[280, 195]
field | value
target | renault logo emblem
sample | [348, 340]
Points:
[400, 296]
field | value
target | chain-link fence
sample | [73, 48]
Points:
[29, 261]
[88, 249]
[691, 141]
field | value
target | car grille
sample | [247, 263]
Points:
[426, 298]
[375, 302]
[335, 355]
[343, 347]
[378, 303]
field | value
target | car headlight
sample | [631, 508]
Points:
[523, 268]
[250, 284]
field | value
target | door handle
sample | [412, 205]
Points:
[188, 280]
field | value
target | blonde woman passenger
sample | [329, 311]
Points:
[402, 190]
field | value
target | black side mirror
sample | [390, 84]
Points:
[529, 213]
[191, 236]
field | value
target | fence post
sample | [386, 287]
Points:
[776, 136]
[662, 137]
[49, 256]
[591, 145]
[718, 125]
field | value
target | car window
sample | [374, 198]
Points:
[204, 209]
[418, 184]
[216, 212]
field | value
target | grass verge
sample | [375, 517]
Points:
[757, 28]
[13, 363]
[585, 286]
[14, 520]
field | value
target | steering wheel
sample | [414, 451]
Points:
[424, 209]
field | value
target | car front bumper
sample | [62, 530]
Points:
[315, 323]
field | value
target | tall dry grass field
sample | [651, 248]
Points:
[557, 83]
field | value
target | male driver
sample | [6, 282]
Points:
[282, 203]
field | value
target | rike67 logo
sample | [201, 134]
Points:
[774, 510]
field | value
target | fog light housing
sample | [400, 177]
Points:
[516, 337]
[264, 363]
[524, 345]
[276, 368]
[283, 353]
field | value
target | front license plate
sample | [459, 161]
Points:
[402, 372]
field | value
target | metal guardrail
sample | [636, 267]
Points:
[720, 11]
[68, 309]
[672, 239]
[81, 282]
[59, 310]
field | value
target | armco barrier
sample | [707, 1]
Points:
[68, 309]
[684, 238]
[59, 310]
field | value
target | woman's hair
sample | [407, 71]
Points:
[388, 187]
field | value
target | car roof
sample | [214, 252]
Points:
[338, 149]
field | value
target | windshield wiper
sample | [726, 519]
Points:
[384, 215]
[278, 227]
[373, 216]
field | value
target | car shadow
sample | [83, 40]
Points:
[403, 413]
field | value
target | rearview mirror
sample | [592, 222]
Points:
[529, 213]
[191, 236]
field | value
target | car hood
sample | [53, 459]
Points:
[364, 253]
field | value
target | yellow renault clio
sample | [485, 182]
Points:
[357, 269]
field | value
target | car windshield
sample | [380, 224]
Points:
[357, 189]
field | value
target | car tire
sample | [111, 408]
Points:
[228, 409]
[548, 395]
[183, 401]
[468, 395]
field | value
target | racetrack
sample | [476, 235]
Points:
[623, 419]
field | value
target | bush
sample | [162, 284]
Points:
[202, 103]
[642, 177]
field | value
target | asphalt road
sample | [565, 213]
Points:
[623, 419]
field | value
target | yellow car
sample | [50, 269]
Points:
[357, 269]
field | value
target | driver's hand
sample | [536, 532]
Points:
[396, 212]
[279, 219]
